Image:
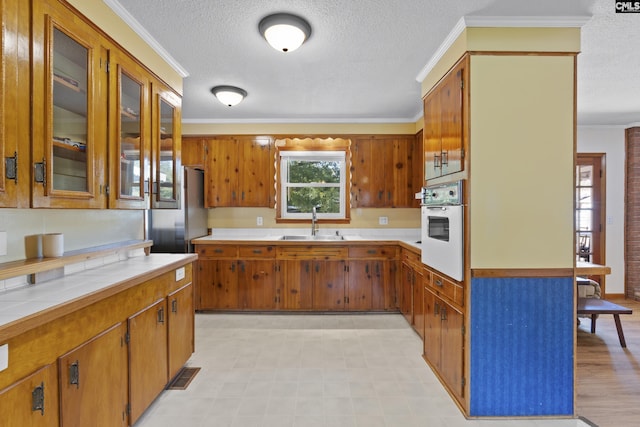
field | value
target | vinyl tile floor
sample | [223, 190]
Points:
[313, 370]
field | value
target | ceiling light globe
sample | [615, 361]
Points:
[229, 95]
[284, 32]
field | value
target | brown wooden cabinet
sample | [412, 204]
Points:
[93, 381]
[148, 359]
[239, 172]
[166, 135]
[193, 152]
[14, 90]
[129, 133]
[371, 283]
[257, 284]
[444, 122]
[69, 109]
[32, 401]
[180, 328]
[411, 283]
[383, 171]
[328, 285]
[295, 280]
[444, 341]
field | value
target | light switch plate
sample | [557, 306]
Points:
[179, 274]
[3, 243]
[259, 221]
[383, 220]
[4, 357]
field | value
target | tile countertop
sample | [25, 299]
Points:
[29, 306]
[408, 237]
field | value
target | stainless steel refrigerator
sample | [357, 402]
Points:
[172, 229]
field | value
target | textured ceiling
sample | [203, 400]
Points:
[362, 59]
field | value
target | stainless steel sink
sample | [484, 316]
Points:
[316, 237]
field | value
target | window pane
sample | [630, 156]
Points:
[313, 171]
[583, 219]
[303, 199]
[167, 160]
[585, 176]
[585, 199]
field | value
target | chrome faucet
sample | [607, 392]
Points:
[314, 219]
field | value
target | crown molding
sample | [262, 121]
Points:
[499, 22]
[124, 14]
[347, 120]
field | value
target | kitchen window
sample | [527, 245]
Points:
[313, 176]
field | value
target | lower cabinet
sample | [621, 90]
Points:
[444, 341]
[371, 285]
[218, 282]
[328, 285]
[257, 285]
[295, 285]
[148, 358]
[32, 401]
[180, 328]
[93, 381]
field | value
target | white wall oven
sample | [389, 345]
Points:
[442, 229]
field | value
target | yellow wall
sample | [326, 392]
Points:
[360, 218]
[521, 146]
[101, 15]
[298, 128]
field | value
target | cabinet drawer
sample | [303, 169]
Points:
[312, 252]
[386, 252]
[447, 288]
[256, 252]
[217, 251]
[411, 257]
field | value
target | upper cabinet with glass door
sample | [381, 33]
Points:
[130, 133]
[166, 165]
[69, 110]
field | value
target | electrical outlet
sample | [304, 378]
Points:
[259, 221]
[180, 274]
[4, 357]
[383, 220]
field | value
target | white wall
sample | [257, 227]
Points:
[610, 140]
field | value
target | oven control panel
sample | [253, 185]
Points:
[444, 194]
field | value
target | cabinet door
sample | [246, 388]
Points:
[148, 365]
[193, 152]
[296, 285]
[451, 122]
[432, 135]
[221, 173]
[130, 133]
[256, 285]
[406, 304]
[14, 90]
[69, 110]
[328, 285]
[452, 360]
[93, 381]
[166, 135]
[218, 282]
[33, 401]
[418, 303]
[368, 186]
[180, 328]
[256, 178]
[432, 328]
[362, 274]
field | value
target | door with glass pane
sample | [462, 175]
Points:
[69, 110]
[130, 134]
[590, 209]
[166, 148]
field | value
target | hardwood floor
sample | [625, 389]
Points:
[608, 376]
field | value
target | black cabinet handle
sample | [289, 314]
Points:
[74, 374]
[161, 315]
[438, 282]
[174, 306]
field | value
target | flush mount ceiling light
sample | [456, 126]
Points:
[229, 95]
[284, 32]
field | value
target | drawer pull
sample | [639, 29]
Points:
[257, 251]
[218, 250]
[438, 283]
[371, 251]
